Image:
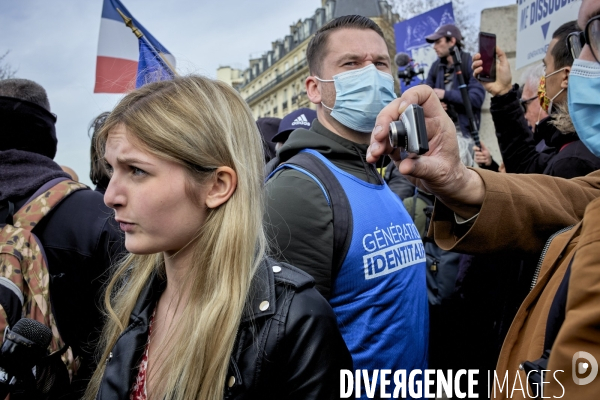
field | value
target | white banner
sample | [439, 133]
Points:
[537, 21]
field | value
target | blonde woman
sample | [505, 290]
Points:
[197, 311]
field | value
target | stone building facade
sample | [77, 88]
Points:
[273, 84]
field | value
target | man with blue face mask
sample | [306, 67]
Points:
[557, 328]
[332, 215]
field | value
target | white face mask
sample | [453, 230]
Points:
[360, 95]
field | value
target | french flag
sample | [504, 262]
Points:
[118, 51]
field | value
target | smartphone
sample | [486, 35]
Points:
[410, 132]
[487, 49]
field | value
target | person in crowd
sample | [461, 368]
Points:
[300, 118]
[197, 310]
[98, 174]
[557, 327]
[79, 240]
[528, 93]
[569, 157]
[442, 78]
[380, 303]
[493, 285]
[484, 158]
[534, 113]
[267, 126]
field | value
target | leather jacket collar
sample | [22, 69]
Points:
[128, 350]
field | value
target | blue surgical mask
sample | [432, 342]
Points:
[360, 95]
[584, 102]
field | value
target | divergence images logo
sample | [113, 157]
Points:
[583, 367]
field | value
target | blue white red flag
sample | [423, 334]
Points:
[119, 51]
[151, 67]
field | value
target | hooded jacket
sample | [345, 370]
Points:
[567, 157]
[77, 235]
[298, 218]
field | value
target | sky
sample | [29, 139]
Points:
[54, 43]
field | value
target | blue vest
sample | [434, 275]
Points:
[380, 294]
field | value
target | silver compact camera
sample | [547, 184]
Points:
[409, 132]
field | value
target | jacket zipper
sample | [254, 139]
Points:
[543, 255]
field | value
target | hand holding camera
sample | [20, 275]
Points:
[410, 132]
[438, 170]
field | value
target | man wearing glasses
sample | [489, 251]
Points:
[530, 100]
[557, 328]
[565, 155]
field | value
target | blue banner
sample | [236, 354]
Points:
[410, 38]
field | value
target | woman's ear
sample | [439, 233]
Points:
[220, 187]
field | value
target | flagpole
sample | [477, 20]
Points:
[129, 23]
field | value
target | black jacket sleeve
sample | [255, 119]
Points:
[315, 348]
[514, 137]
[432, 74]
[474, 88]
[299, 224]
[573, 161]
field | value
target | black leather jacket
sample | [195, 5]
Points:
[291, 350]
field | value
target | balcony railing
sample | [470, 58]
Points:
[278, 79]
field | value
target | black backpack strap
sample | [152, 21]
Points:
[338, 202]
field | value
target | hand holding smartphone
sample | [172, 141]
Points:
[487, 50]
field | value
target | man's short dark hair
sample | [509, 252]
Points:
[560, 52]
[318, 44]
[24, 89]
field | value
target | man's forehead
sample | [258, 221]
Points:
[347, 40]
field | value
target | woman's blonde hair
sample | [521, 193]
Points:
[201, 124]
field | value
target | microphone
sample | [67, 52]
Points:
[24, 346]
[402, 59]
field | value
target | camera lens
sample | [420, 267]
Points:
[398, 134]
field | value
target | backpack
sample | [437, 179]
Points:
[24, 277]
[442, 266]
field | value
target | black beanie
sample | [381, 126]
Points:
[27, 126]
